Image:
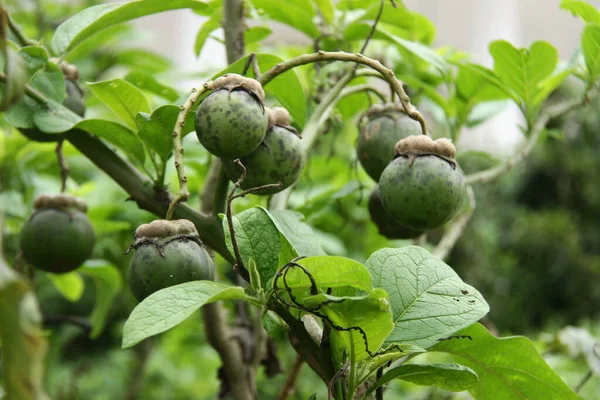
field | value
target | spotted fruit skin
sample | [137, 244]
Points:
[424, 195]
[377, 138]
[57, 240]
[182, 261]
[231, 124]
[385, 222]
[279, 158]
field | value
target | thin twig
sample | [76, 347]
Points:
[456, 229]
[252, 61]
[183, 194]
[29, 91]
[62, 165]
[373, 27]
[358, 58]
[583, 381]
[290, 383]
[493, 173]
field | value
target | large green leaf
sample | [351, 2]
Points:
[146, 81]
[108, 281]
[70, 285]
[522, 70]
[365, 321]
[156, 129]
[329, 271]
[508, 368]
[169, 307]
[94, 19]
[590, 46]
[286, 87]
[124, 99]
[116, 134]
[259, 238]
[23, 342]
[584, 10]
[428, 299]
[299, 233]
[452, 377]
[298, 14]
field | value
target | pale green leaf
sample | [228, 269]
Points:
[96, 18]
[299, 233]
[210, 25]
[590, 46]
[116, 134]
[326, 9]
[428, 299]
[584, 10]
[507, 368]
[16, 78]
[146, 81]
[70, 285]
[169, 307]
[298, 14]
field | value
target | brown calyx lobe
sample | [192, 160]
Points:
[421, 145]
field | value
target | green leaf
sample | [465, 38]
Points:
[286, 87]
[70, 285]
[255, 282]
[169, 307]
[548, 85]
[210, 25]
[146, 81]
[590, 46]
[587, 12]
[108, 281]
[259, 238]
[256, 34]
[124, 99]
[116, 134]
[16, 78]
[50, 81]
[522, 70]
[326, 9]
[329, 271]
[452, 377]
[94, 19]
[22, 338]
[299, 233]
[507, 368]
[369, 317]
[55, 118]
[298, 14]
[428, 299]
[141, 59]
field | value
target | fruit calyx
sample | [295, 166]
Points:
[387, 108]
[279, 116]
[421, 145]
[59, 201]
[233, 82]
[161, 232]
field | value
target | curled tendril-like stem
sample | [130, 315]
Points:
[239, 263]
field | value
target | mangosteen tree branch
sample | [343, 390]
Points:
[358, 58]
[456, 228]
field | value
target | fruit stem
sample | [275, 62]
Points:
[62, 165]
[184, 193]
[358, 58]
[362, 88]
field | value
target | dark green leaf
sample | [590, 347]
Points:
[369, 317]
[299, 233]
[94, 19]
[587, 12]
[116, 134]
[108, 281]
[286, 87]
[259, 238]
[124, 99]
[507, 368]
[169, 307]
[329, 271]
[590, 45]
[146, 81]
[428, 299]
[452, 377]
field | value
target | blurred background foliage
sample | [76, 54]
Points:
[532, 247]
